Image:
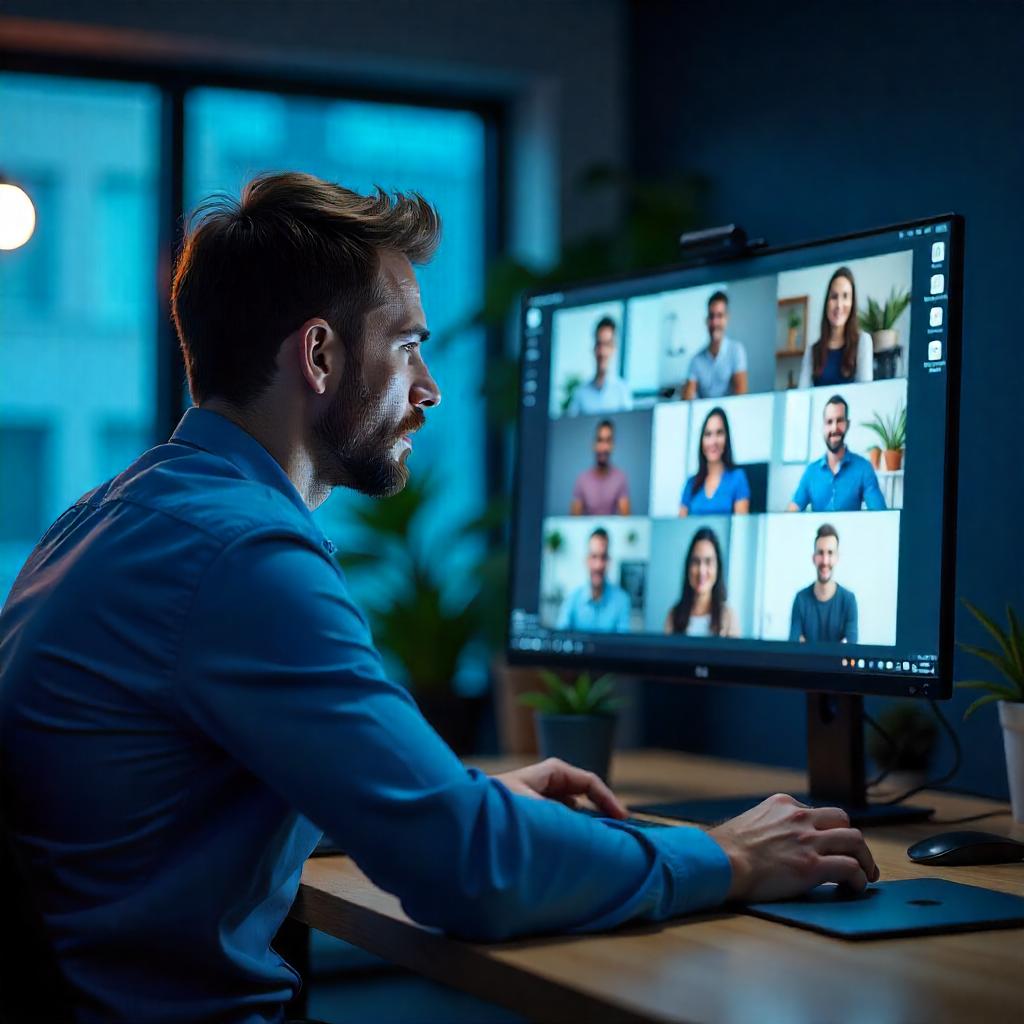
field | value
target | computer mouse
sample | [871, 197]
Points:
[964, 848]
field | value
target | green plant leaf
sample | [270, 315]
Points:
[989, 623]
[981, 702]
[1015, 638]
[999, 660]
[983, 684]
[539, 702]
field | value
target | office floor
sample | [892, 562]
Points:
[347, 984]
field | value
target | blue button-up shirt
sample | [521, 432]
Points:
[608, 614]
[852, 484]
[188, 696]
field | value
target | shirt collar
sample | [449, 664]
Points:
[211, 432]
[842, 462]
[721, 351]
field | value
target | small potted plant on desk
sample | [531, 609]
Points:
[576, 721]
[1008, 659]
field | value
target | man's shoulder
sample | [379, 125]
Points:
[858, 460]
[845, 595]
[206, 493]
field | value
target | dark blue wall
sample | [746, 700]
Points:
[813, 119]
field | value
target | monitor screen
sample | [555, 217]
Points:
[745, 471]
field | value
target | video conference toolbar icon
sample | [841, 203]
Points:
[935, 316]
[860, 664]
[938, 252]
[534, 315]
[938, 284]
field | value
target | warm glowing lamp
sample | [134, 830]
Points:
[17, 216]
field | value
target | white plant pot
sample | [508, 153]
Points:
[1011, 717]
[883, 341]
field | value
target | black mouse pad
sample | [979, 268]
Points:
[912, 906]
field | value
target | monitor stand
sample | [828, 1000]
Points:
[835, 769]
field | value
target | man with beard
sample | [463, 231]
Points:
[607, 391]
[840, 481]
[598, 605]
[603, 489]
[188, 694]
[720, 368]
[824, 612]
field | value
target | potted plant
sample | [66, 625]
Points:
[576, 721]
[879, 320]
[903, 746]
[417, 618]
[793, 323]
[1008, 659]
[875, 456]
[892, 432]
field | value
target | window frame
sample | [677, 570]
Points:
[175, 82]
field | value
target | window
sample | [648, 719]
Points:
[77, 320]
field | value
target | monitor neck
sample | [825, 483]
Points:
[835, 749]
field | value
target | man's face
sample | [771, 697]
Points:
[826, 555]
[718, 319]
[836, 426]
[604, 442]
[604, 348]
[597, 561]
[365, 436]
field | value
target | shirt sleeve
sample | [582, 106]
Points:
[865, 359]
[802, 495]
[741, 485]
[623, 488]
[740, 359]
[850, 625]
[565, 612]
[691, 370]
[622, 623]
[686, 498]
[796, 620]
[873, 497]
[577, 490]
[278, 669]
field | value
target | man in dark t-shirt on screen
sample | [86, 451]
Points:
[824, 612]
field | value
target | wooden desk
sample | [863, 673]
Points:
[713, 967]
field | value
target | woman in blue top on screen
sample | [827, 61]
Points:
[701, 609]
[718, 487]
[844, 352]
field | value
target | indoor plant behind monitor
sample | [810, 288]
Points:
[576, 721]
[1008, 659]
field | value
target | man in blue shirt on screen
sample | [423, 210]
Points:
[598, 606]
[607, 391]
[188, 694]
[840, 481]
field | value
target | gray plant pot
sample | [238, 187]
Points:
[582, 740]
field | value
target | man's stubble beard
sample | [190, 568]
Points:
[355, 440]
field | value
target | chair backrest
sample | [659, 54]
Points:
[31, 985]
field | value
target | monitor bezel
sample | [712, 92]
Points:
[696, 669]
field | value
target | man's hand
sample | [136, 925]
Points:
[782, 848]
[555, 780]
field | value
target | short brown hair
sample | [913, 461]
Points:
[826, 530]
[292, 247]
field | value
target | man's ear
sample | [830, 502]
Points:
[319, 354]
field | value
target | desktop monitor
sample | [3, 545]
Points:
[745, 472]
